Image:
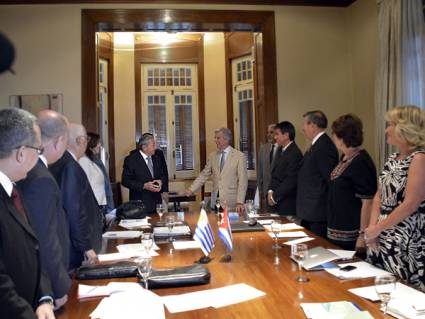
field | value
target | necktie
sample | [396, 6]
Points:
[150, 166]
[271, 154]
[17, 202]
[222, 161]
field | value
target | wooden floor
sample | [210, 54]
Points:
[253, 264]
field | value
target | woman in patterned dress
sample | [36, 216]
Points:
[396, 232]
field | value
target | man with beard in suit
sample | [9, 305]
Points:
[42, 198]
[23, 291]
[282, 191]
[314, 175]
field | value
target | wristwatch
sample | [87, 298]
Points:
[46, 300]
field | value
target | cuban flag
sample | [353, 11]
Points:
[225, 232]
[203, 233]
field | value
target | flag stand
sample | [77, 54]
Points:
[204, 260]
[226, 259]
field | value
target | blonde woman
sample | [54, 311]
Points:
[396, 232]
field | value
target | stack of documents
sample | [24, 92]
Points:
[186, 244]
[287, 226]
[131, 304]
[122, 234]
[219, 297]
[134, 248]
[362, 270]
[134, 223]
[406, 302]
[126, 255]
[288, 234]
[177, 231]
[334, 310]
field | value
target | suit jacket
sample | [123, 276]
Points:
[21, 283]
[231, 182]
[80, 205]
[136, 173]
[313, 179]
[42, 197]
[284, 179]
[264, 167]
[164, 168]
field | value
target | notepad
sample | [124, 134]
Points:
[122, 234]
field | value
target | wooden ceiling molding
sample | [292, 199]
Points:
[320, 3]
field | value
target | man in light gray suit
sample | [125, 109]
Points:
[227, 169]
[266, 156]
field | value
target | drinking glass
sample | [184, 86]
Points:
[144, 267]
[170, 221]
[147, 242]
[300, 253]
[160, 209]
[219, 207]
[276, 227]
[384, 286]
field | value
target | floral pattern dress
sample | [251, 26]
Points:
[402, 246]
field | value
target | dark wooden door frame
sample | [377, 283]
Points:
[96, 20]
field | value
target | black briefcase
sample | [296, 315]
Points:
[119, 269]
[179, 277]
[133, 209]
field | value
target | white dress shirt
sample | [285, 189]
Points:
[6, 183]
[96, 179]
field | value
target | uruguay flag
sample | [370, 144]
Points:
[203, 233]
[225, 232]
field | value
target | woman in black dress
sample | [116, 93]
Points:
[352, 185]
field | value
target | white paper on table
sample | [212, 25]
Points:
[122, 234]
[177, 230]
[186, 244]
[298, 241]
[287, 226]
[289, 234]
[130, 305]
[134, 247]
[218, 297]
[126, 255]
[187, 302]
[264, 221]
[86, 291]
[363, 270]
[406, 302]
[233, 294]
[263, 215]
[343, 254]
[333, 310]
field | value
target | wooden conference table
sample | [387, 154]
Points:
[252, 263]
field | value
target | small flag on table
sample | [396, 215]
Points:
[225, 232]
[203, 233]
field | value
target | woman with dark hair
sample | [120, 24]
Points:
[96, 173]
[352, 186]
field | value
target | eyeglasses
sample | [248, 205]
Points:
[40, 149]
[87, 138]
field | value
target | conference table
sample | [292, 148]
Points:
[254, 263]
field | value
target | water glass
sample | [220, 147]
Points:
[147, 241]
[144, 267]
[300, 253]
[160, 209]
[384, 286]
[170, 221]
[276, 227]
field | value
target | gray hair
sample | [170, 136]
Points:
[227, 134]
[317, 117]
[145, 139]
[75, 130]
[52, 125]
[16, 130]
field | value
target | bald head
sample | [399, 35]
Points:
[52, 125]
[77, 143]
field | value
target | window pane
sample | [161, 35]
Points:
[246, 128]
[157, 120]
[184, 141]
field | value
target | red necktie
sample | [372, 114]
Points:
[17, 201]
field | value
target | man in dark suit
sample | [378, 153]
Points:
[80, 205]
[143, 173]
[314, 174]
[282, 191]
[42, 198]
[22, 285]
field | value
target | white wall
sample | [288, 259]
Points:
[316, 65]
